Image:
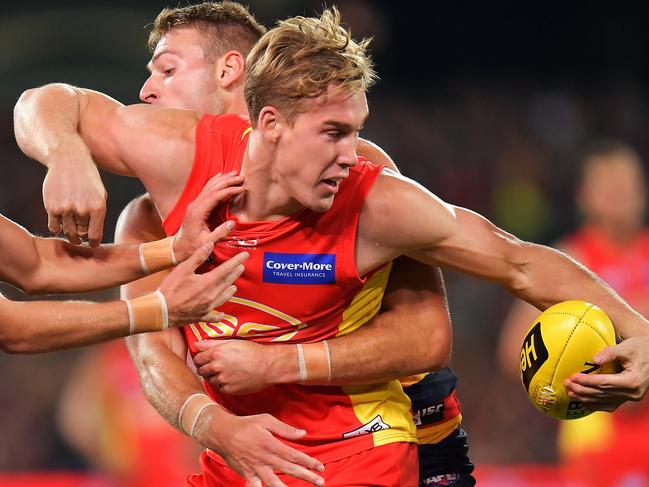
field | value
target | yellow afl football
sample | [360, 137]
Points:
[563, 341]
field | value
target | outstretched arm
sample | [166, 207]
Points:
[40, 326]
[46, 265]
[186, 296]
[435, 232]
[68, 129]
[247, 443]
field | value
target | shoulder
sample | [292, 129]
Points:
[375, 154]
[139, 222]
[228, 124]
[398, 207]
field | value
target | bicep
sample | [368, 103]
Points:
[414, 285]
[477, 247]
[416, 293]
[147, 142]
[19, 258]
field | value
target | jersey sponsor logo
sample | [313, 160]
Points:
[377, 424]
[284, 268]
[421, 415]
[443, 479]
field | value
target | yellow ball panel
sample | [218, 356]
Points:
[562, 341]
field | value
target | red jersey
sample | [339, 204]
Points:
[603, 448]
[300, 286]
[624, 267]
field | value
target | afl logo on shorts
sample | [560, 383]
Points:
[443, 479]
[283, 268]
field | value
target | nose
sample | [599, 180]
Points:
[347, 156]
[149, 93]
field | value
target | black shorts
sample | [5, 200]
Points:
[446, 462]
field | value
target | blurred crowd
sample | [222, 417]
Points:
[505, 146]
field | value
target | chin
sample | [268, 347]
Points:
[321, 205]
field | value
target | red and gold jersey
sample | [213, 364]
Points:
[300, 286]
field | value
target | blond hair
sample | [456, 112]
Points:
[225, 26]
[299, 59]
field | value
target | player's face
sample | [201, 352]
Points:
[180, 75]
[315, 154]
[613, 192]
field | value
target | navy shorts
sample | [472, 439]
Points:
[446, 462]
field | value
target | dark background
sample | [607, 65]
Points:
[484, 103]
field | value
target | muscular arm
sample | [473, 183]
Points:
[412, 335]
[68, 129]
[43, 326]
[48, 265]
[405, 218]
[158, 357]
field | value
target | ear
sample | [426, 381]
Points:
[230, 69]
[270, 123]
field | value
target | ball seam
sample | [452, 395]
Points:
[565, 345]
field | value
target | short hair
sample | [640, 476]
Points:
[226, 26]
[600, 148]
[299, 59]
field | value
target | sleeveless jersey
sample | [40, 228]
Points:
[300, 286]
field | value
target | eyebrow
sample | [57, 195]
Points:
[157, 55]
[345, 127]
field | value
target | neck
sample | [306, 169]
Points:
[265, 198]
[234, 102]
[619, 232]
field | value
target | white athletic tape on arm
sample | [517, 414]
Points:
[301, 364]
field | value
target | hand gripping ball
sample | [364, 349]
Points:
[561, 342]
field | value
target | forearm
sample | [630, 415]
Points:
[40, 326]
[66, 268]
[164, 376]
[46, 121]
[380, 351]
[413, 335]
[548, 276]
[159, 358]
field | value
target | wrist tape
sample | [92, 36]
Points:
[158, 255]
[191, 411]
[314, 363]
[148, 313]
